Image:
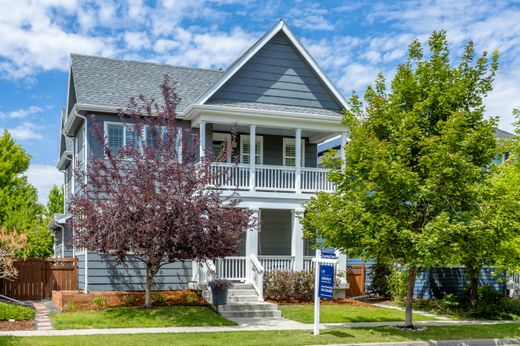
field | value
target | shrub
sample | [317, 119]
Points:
[379, 279]
[71, 306]
[15, 312]
[159, 299]
[284, 286]
[99, 302]
[397, 285]
[191, 297]
[128, 299]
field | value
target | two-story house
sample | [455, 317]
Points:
[284, 105]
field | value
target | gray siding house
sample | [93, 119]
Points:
[284, 106]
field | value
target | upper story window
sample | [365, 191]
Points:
[218, 141]
[289, 152]
[245, 149]
[120, 135]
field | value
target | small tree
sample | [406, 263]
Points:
[154, 199]
[55, 202]
[10, 242]
[414, 156]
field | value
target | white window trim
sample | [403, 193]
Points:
[245, 138]
[290, 140]
[125, 127]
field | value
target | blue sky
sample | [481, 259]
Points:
[351, 40]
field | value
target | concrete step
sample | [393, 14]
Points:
[252, 299]
[259, 306]
[242, 293]
[242, 286]
[251, 313]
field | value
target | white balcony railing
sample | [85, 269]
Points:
[277, 263]
[271, 178]
[232, 268]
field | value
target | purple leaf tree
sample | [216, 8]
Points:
[155, 199]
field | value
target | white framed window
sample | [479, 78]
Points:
[218, 140]
[289, 152]
[119, 135]
[245, 149]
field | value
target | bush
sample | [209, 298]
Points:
[15, 312]
[379, 279]
[71, 306]
[159, 299]
[397, 285]
[128, 300]
[99, 302]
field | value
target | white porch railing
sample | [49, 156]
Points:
[271, 178]
[256, 275]
[513, 284]
[277, 263]
[232, 268]
[229, 175]
[308, 264]
[203, 271]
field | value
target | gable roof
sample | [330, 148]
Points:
[112, 82]
[280, 28]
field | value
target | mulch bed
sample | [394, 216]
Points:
[17, 325]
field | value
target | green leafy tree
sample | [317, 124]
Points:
[414, 155]
[55, 201]
[19, 207]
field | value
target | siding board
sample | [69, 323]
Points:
[275, 232]
[278, 74]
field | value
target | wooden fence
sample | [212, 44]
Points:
[356, 280]
[37, 278]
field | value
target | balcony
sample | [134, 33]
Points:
[271, 178]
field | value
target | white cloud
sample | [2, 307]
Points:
[43, 177]
[310, 16]
[21, 113]
[136, 40]
[25, 132]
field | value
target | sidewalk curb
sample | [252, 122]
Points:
[475, 342]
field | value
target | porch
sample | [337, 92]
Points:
[277, 244]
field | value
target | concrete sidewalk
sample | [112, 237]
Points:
[243, 325]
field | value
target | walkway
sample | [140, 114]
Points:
[244, 325]
[42, 320]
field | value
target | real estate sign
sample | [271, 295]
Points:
[326, 287]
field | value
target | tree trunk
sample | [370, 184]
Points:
[474, 275]
[410, 284]
[150, 273]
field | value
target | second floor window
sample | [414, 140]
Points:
[245, 149]
[115, 134]
[289, 152]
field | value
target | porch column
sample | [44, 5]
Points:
[297, 239]
[298, 144]
[202, 139]
[252, 157]
[343, 143]
[252, 239]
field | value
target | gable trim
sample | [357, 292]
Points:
[281, 26]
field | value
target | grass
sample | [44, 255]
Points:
[15, 312]
[130, 317]
[341, 313]
[283, 338]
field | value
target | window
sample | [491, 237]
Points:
[118, 135]
[218, 140]
[289, 152]
[245, 149]
[115, 137]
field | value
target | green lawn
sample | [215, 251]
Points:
[128, 317]
[283, 338]
[341, 313]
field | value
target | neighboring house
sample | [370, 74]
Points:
[284, 104]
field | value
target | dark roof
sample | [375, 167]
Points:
[502, 134]
[112, 82]
[334, 143]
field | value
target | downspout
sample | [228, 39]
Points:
[62, 240]
[85, 163]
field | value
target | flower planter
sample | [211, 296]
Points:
[219, 296]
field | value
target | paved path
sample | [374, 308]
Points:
[244, 325]
[42, 320]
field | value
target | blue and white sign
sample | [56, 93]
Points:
[328, 254]
[326, 287]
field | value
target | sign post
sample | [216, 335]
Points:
[323, 282]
